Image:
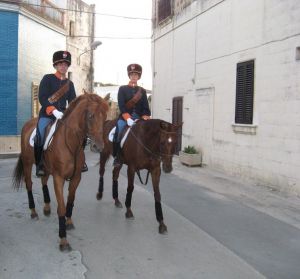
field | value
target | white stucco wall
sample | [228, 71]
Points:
[195, 56]
[34, 58]
[82, 64]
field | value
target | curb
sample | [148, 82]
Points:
[9, 155]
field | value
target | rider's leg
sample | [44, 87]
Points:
[38, 144]
[116, 143]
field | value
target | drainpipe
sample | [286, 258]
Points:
[91, 71]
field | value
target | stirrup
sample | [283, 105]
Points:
[84, 168]
[117, 162]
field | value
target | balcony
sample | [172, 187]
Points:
[46, 10]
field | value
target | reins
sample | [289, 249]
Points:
[159, 155]
[73, 153]
[151, 152]
[140, 178]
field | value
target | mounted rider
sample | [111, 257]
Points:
[55, 92]
[133, 104]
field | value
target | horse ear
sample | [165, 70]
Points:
[164, 125]
[84, 92]
[107, 97]
[179, 125]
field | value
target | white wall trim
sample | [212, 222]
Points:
[249, 129]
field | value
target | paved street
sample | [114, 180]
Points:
[218, 227]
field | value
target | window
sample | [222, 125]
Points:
[164, 9]
[35, 105]
[72, 28]
[244, 92]
[70, 75]
[297, 53]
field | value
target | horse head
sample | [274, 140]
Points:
[95, 117]
[168, 141]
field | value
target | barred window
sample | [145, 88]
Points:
[244, 92]
[164, 9]
[71, 28]
[35, 105]
[70, 75]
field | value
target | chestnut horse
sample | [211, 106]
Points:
[148, 144]
[64, 157]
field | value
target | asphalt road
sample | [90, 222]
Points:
[210, 234]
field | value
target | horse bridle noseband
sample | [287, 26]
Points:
[147, 149]
[151, 152]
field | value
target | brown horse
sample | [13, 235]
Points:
[148, 144]
[64, 157]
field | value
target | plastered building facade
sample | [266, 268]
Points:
[30, 34]
[197, 47]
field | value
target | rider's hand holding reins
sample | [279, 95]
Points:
[130, 122]
[58, 114]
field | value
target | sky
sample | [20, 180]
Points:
[114, 55]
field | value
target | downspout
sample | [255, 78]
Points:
[91, 71]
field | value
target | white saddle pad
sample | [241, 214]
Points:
[48, 139]
[112, 133]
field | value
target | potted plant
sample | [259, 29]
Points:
[190, 156]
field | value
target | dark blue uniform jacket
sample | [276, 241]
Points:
[49, 85]
[126, 93]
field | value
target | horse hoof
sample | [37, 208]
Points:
[118, 204]
[47, 212]
[99, 196]
[129, 215]
[34, 216]
[70, 227]
[162, 229]
[65, 247]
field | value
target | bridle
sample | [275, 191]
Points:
[158, 155]
[80, 135]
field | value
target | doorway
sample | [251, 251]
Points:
[177, 119]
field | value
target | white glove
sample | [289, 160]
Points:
[58, 114]
[130, 122]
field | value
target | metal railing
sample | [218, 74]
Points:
[47, 10]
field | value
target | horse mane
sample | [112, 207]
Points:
[158, 123]
[90, 97]
[102, 102]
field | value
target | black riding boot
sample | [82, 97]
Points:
[117, 154]
[38, 152]
[85, 167]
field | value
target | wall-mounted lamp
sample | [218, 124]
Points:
[94, 45]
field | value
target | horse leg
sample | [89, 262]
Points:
[70, 202]
[103, 158]
[115, 185]
[61, 212]
[47, 208]
[130, 188]
[28, 182]
[155, 174]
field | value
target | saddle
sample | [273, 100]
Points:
[50, 129]
[124, 135]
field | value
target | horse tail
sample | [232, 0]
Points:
[18, 174]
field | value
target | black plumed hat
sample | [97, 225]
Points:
[134, 68]
[61, 56]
